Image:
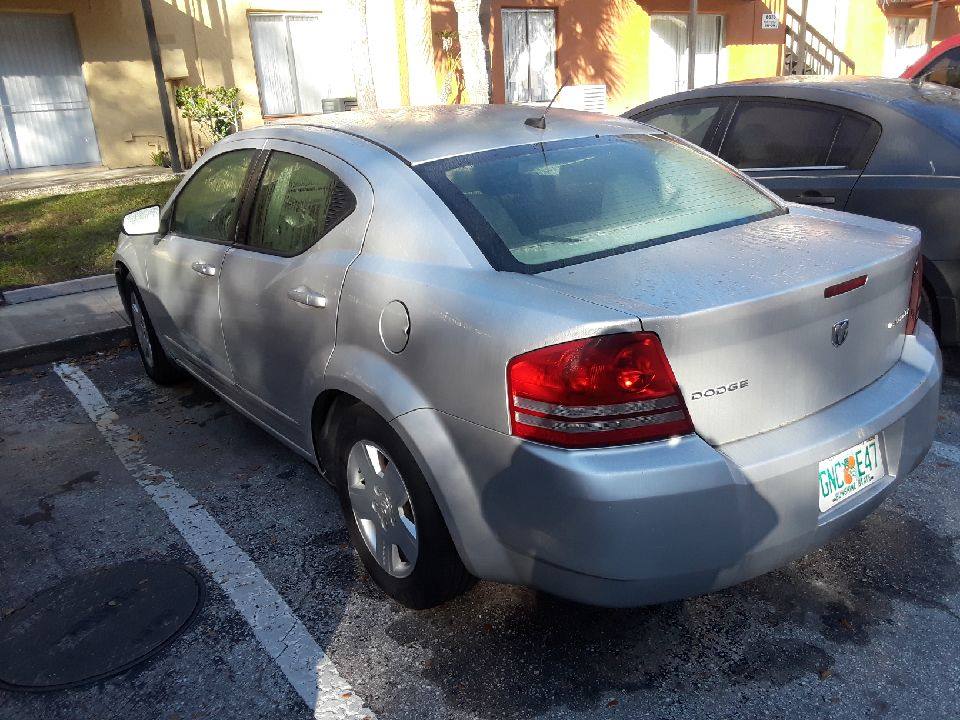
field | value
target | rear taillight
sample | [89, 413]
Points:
[913, 312]
[605, 390]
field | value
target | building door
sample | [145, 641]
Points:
[44, 113]
[529, 55]
[668, 53]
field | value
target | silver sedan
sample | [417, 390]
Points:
[586, 357]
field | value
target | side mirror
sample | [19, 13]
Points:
[142, 222]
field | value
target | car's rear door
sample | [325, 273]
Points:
[280, 284]
[806, 152]
[184, 265]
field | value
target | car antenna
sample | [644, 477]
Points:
[541, 122]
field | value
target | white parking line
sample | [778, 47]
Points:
[311, 673]
[946, 451]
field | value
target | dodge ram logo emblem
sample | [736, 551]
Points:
[840, 332]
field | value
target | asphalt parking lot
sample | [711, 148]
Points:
[127, 471]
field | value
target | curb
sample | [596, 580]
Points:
[67, 287]
[28, 355]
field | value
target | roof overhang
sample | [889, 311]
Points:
[886, 5]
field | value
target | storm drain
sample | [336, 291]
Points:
[96, 625]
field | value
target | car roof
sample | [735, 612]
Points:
[937, 107]
[871, 88]
[912, 98]
[425, 133]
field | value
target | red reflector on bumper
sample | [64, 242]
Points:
[845, 286]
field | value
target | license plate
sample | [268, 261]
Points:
[849, 472]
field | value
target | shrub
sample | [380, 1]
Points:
[215, 109]
[160, 158]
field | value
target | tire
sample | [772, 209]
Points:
[421, 574]
[158, 366]
[928, 311]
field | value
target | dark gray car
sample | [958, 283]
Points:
[885, 148]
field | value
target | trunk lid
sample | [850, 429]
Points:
[742, 315]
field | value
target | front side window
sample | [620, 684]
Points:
[302, 62]
[298, 202]
[529, 55]
[691, 121]
[207, 206]
[536, 207]
[945, 70]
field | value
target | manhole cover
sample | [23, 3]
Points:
[96, 625]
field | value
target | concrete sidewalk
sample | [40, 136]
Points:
[21, 185]
[49, 322]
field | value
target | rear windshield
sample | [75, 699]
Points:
[536, 207]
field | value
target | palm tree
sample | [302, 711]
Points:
[421, 71]
[472, 52]
[362, 69]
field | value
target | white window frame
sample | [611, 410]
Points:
[294, 78]
[898, 57]
[527, 12]
[721, 54]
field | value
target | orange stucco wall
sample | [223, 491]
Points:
[607, 41]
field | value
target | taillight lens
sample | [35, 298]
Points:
[913, 312]
[605, 390]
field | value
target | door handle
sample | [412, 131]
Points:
[202, 268]
[814, 197]
[306, 296]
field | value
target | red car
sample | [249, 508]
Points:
[940, 65]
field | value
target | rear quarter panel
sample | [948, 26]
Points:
[466, 320]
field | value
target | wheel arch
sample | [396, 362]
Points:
[121, 274]
[327, 409]
[940, 289]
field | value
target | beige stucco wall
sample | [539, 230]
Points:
[118, 74]
[212, 37]
[867, 31]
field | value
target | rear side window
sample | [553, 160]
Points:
[945, 70]
[849, 140]
[298, 202]
[691, 121]
[536, 207]
[207, 206]
[774, 135]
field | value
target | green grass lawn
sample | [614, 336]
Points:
[45, 240]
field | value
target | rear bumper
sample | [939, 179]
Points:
[649, 523]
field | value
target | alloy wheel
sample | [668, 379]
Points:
[382, 508]
[140, 327]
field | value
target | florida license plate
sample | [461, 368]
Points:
[849, 472]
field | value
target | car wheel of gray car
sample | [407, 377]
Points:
[157, 365]
[393, 519]
[927, 313]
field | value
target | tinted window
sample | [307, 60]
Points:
[691, 122]
[850, 137]
[534, 207]
[769, 135]
[945, 69]
[207, 206]
[297, 203]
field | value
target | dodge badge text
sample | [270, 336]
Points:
[720, 390]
